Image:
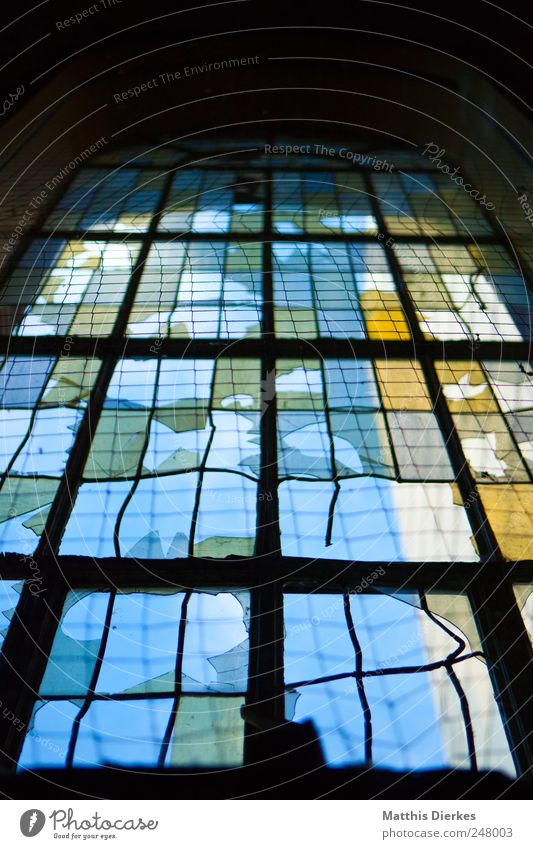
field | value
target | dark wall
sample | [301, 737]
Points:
[477, 33]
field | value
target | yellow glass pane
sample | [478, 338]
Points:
[384, 316]
[71, 381]
[81, 254]
[402, 385]
[509, 508]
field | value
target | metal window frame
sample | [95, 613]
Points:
[488, 583]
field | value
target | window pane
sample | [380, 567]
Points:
[464, 292]
[106, 199]
[358, 483]
[428, 205]
[176, 447]
[214, 202]
[205, 732]
[334, 290]
[117, 690]
[416, 715]
[73, 287]
[141, 643]
[199, 290]
[318, 202]
[509, 508]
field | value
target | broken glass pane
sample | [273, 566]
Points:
[489, 448]
[331, 430]
[176, 447]
[466, 387]
[116, 672]
[62, 287]
[496, 444]
[459, 293]
[141, 643]
[9, 597]
[512, 384]
[206, 731]
[343, 444]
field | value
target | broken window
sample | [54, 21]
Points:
[65, 287]
[464, 292]
[176, 448]
[358, 482]
[392, 681]
[145, 677]
[491, 404]
[264, 369]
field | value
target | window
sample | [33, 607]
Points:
[267, 440]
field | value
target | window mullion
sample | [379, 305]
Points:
[268, 536]
[183, 348]
[265, 685]
[507, 648]
[246, 236]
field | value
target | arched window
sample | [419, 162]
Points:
[267, 442]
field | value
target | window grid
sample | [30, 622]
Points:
[488, 584]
